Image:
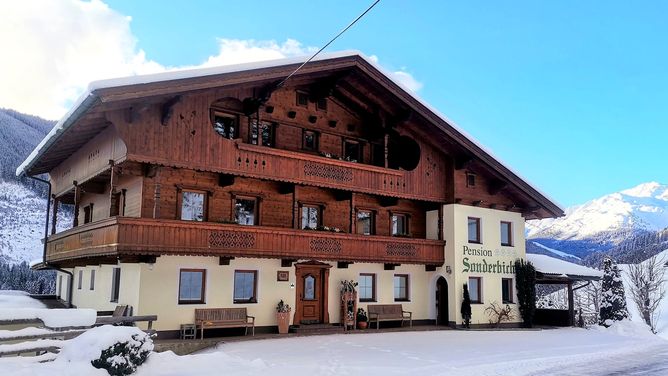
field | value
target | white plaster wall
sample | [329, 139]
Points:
[455, 223]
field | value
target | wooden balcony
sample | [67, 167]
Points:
[123, 236]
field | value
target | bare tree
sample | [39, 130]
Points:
[647, 289]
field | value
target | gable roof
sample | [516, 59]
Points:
[96, 90]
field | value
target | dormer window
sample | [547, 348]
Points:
[470, 179]
[226, 125]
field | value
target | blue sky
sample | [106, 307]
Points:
[573, 95]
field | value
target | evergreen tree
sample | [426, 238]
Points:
[525, 282]
[613, 301]
[466, 307]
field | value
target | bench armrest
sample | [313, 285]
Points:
[252, 319]
[410, 314]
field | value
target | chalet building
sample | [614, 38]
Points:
[218, 188]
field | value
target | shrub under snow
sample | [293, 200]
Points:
[117, 349]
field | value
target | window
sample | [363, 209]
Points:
[507, 290]
[264, 135]
[507, 234]
[191, 286]
[321, 104]
[302, 99]
[474, 289]
[193, 206]
[80, 282]
[367, 287]
[226, 125]
[401, 287]
[352, 151]
[92, 279]
[399, 225]
[309, 287]
[474, 230]
[470, 179]
[115, 284]
[245, 211]
[117, 206]
[310, 140]
[310, 216]
[245, 286]
[378, 155]
[88, 213]
[365, 223]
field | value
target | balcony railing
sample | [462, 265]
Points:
[284, 165]
[123, 236]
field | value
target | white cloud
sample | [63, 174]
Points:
[53, 49]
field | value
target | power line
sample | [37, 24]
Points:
[280, 84]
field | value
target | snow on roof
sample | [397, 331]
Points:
[88, 98]
[550, 265]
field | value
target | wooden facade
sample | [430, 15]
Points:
[339, 137]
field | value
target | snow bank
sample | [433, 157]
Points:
[52, 318]
[90, 344]
[626, 328]
[17, 299]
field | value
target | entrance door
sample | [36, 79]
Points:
[442, 301]
[311, 293]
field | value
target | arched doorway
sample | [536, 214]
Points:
[441, 301]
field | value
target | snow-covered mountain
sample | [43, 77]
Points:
[22, 201]
[605, 222]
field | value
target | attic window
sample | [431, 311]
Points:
[302, 99]
[321, 104]
[470, 179]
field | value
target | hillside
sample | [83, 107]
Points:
[22, 201]
[612, 223]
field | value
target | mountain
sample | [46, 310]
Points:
[22, 201]
[620, 223]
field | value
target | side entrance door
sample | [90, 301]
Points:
[442, 301]
[312, 283]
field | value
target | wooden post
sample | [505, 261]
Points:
[352, 228]
[295, 208]
[571, 304]
[112, 189]
[440, 221]
[156, 194]
[387, 150]
[54, 214]
[77, 199]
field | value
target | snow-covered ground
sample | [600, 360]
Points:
[568, 351]
[10, 299]
[429, 353]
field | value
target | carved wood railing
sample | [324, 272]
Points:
[120, 236]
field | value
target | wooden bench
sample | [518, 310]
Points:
[209, 318]
[388, 312]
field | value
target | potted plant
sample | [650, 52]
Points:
[283, 317]
[362, 319]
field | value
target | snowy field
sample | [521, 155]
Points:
[558, 351]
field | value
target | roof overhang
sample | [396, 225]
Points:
[106, 91]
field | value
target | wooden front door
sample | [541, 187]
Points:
[312, 284]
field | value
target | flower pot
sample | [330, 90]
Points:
[283, 319]
[362, 324]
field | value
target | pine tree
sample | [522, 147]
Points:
[613, 301]
[466, 307]
[525, 282]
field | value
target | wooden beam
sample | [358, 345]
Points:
[224, 260]
[77, 199]
[225, 180]
[287, 263]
